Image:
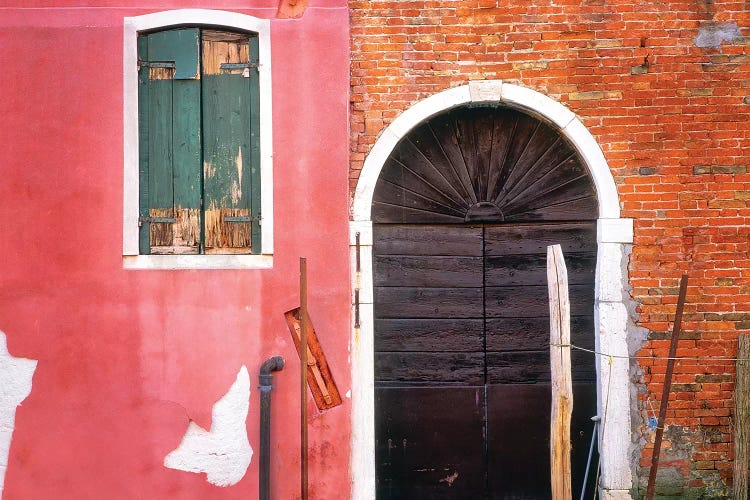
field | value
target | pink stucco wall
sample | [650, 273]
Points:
[127, 358]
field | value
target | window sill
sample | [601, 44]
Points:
[157, 262]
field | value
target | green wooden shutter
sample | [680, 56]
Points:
[169, 93]
[199, 142]
[254, 84]
[228, 158]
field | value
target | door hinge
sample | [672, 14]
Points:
[155, 64]
[149, 220]
[241, 218]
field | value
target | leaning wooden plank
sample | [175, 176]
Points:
[741, 416]
[319, 377]
[562, 387]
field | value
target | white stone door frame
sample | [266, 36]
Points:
[614, 236]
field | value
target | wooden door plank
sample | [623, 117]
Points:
[518, 416]
[410, 302]
[531, 301]
[530, 269]
[529, 367]
[449, 334]
[430, 368]
[430, 271]
[535, 238]
[423, 451]
[524, 334]
[400, 239]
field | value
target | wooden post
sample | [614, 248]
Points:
[665, 389]
[303, 372]
[562, 387]
[741, 415]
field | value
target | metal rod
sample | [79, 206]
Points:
[357, 283]
[596, 420]
[303, 372]
[265, 379]
[667, 386]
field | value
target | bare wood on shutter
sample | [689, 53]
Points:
[227, 130]
[224, 47]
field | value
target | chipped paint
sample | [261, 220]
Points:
[238, 162]
[208, 169]
[224, 452]
[449, 479]
[15, 386]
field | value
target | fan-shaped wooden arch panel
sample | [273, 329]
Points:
[484, 164]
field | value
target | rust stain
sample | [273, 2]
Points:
[291, 9]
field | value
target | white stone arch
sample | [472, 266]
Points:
[614, 237]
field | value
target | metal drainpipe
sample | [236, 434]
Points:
[265, 378]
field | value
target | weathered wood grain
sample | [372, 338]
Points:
[560, 366]
[424, 451]
[412, 302]
[512, 239]
[741, 417]
[529, 334]
[531, 367]
[531, 301]
[430, 271]
[227, 143]
[514, 166]
[530, 269]
[430, 368]
[415, 240]
[409, 334]
[518, 420]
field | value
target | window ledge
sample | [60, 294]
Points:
[197, 261]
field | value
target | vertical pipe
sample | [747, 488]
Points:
[596, 420]
[265, 379]
[303, 373]
[667, 385]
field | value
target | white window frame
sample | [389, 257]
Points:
[216, 19]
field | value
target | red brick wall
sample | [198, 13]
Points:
[673, 120]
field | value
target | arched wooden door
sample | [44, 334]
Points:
[463, 211]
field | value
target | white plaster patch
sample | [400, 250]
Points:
[224, 453]
[15, 386]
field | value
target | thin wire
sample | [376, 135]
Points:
[677, 358]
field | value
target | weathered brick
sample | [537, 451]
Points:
[671, 120]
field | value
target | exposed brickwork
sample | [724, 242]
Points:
[673, 120]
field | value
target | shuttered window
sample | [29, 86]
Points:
[199, 148]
